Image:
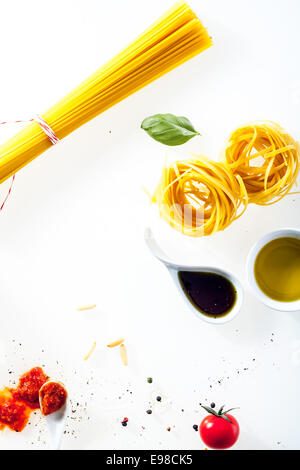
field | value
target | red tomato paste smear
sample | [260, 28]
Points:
[12, 413]
[29, 386]
[16, 404]
[53, 396]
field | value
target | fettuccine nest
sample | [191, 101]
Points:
[266, 157]
[200, 197]
[259, 165]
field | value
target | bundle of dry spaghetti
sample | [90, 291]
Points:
[200, 197]
[176, 37]
[266, 157]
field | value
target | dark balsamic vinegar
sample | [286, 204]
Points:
[212, 294]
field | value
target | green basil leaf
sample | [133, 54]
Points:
[169, 129]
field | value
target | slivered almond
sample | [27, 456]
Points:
[123, 354]
[116, 343]
[90, 352]
[86, 307]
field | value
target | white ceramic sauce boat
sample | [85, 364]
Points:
[174, 269]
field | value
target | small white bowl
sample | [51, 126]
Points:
[274, 304]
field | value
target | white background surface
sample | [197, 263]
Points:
[72, 230]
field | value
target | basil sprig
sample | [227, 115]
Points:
[169, 129]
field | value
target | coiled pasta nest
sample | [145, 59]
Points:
[200, 197]
[260, 164]
[266, 157]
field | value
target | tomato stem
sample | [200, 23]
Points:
[220, 413]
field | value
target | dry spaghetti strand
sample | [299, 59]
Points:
[266, 157]
[200, 197]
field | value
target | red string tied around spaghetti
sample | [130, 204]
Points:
[48, 131]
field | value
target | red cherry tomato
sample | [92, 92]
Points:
[218, 433]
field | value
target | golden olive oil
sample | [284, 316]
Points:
[277, 269]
